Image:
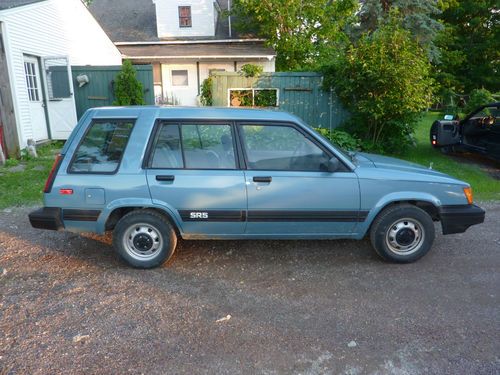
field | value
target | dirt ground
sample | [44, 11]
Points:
[69, 305]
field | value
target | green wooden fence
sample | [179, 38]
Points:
[299, 93]
[98, 92]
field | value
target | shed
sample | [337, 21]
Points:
[39, 41]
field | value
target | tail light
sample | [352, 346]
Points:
[52, 174]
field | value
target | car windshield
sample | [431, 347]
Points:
[348, 154]
[486, 112]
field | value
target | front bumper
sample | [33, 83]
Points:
[456, 219]
[47, 218]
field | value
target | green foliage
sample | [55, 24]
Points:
[265, 98]
[128, 89]
[340, 138]
[206, 97]
[302, 32]
[384, 82]
[478, 98]
[470, 45]
[251, 70]
[11, 162]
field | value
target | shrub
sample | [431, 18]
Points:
[128, 89]
[340, 138]
[478, 98]
[206, 97]
[384, 81]
[251, 70]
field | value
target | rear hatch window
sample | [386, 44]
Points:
[102, 147]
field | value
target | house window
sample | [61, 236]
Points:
[180, 78]
[56, 71]
[31, 81]
[185, 16]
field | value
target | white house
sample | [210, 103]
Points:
[40, 40]
[183, 39]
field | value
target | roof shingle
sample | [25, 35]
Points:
[7, 4]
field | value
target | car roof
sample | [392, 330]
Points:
[207, 113]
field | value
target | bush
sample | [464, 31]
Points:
[251, 70]
[128, 89]
[340, 138]
[206, 97]
[478, 98]
[384, 81]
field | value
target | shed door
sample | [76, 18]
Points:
[61, 104]
[35, 95]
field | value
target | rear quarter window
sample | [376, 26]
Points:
[102, 147]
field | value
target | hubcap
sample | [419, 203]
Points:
[142, 241]
[405, 236]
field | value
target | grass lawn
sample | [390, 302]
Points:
[484, 186]
[22, 181]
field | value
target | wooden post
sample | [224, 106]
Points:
[7, 114]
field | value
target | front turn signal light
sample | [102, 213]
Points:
[468, 194]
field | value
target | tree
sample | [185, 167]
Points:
[128, 89]
[301, 32]
[417, 16]
[470, 45]
[384, 81]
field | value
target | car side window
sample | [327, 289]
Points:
[281, 147]
[102, 147]
[167, 152]
[194, 146]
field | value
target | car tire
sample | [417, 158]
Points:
[144, 239]
[402, 233]
[447, 150]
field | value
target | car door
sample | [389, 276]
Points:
[290, 192]
[192, 170]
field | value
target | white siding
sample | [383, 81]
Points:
[88, 44]
[202, 18]
[31, 30]
[51, 28]
[187, 95]
[267, 65]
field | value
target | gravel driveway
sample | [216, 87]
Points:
[69, 305]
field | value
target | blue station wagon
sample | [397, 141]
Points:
[154, 174]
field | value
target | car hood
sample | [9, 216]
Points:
[366, 160]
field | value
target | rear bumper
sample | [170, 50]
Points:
[47, 218]
[456, 219]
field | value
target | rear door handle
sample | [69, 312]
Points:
[267, 179]
[165, 178]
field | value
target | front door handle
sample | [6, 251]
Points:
[165, 178]
[267, 179]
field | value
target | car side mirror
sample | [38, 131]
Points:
[333, 165]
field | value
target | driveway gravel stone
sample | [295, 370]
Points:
[69, 305]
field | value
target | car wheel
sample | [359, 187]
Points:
[448, 150]
[402, 233]
[144, 239]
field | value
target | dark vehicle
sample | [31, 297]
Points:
[478, 132]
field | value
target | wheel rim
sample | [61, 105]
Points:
[405, 236]
[142, 241]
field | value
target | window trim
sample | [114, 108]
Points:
[179, 70]
[181, 17]
[148, 155]
[295, 126]
[87, 130]
[253, 89]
